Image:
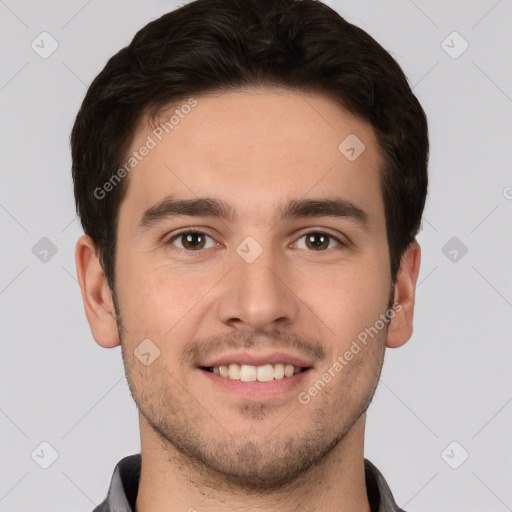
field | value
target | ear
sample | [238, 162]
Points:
[400, 327]
[96, 294]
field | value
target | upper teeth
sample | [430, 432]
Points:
[248, 373]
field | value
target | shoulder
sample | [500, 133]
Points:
[124, 486]
[379, 494]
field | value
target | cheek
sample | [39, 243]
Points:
[159, 301]
[348, 302]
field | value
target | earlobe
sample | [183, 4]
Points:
[401, 326]
[96, 294]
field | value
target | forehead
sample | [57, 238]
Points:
[252, 148]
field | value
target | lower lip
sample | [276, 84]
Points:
[255, 389]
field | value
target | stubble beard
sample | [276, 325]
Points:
[246, 460]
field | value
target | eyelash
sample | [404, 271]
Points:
[192, 232]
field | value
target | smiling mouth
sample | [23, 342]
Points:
[250, 373]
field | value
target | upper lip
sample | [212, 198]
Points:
[257, 359]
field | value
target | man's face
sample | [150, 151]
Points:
[255, 289]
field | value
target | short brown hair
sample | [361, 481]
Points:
[215, 45]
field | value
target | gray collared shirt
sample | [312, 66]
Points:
[125, 484]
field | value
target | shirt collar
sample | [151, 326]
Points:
[125, 483]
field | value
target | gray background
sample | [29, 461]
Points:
[451, 382]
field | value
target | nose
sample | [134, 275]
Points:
[259, 296]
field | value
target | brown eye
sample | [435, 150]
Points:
[319, 241]
[190, 240]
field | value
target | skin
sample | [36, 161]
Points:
[203, 448]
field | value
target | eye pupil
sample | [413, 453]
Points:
[195, 240]
[318, 240]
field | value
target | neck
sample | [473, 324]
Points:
[172, 483]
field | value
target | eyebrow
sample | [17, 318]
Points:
[171, 207]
